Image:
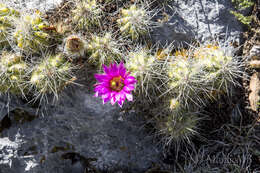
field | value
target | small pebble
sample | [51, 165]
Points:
[255, 52]
[255, 64]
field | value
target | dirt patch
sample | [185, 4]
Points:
[251, 50]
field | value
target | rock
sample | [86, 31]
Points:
[254, 53]
[254, 91]
[81, 124]
[8, 151]
[10, 161]
[255, 64]
[45, 5]
[6, 106]
[198, 20]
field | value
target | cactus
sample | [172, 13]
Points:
[174, 104]
[87, 14]
[103, 49]
[75, 46]
[163, 54]
[3, 36]
[135, 21]
[198, 75]
[7, 16]
[13, 74]
[178, 126]
[31, 33]
[184, 81]
[140, 63]
[219, 66]
[51, 76]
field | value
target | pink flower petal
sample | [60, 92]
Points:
[102, 77]
[96, 94]
[130, 80]
[106, 99]
[105, 96]
[122, 95]
[117, 96]
[122, 69]
[106, 69]
[101, 89]
[113, 70]
[128, 88]
[120, 103]
[129, 97]
[113, 100]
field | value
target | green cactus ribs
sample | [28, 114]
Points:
[135, 21]
[87, 14]
[104, 49]
[7, 16]
[13, 74]
[32, 33]
[51, 75]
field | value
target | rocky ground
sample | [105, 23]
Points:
[79, 134]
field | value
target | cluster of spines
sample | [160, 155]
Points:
[13, 73]
[135, 21]
[178, 126]
[87, 14]
[103, 49]
[51, 75]
[7, 16]
[203, 74]
[190, 79]
[140, 63]
[31, 33]
[24, 36]
[27, 31]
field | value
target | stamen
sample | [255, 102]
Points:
[117, 83]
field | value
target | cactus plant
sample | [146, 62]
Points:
[103, 49]
[164, 53]
[140, 63]
[184, 81]
[51, 76]
[220, 67]
[7, 16]
[87, 14]
[31, 33]
[13, 74]
[178, 126]
[202, 73]
[135, 20]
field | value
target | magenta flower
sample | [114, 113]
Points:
[115, 84]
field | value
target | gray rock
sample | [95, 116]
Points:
[81, 124]
[10, 161]
[254, 53]
[8, 151]
[43, 5]
[198, 20]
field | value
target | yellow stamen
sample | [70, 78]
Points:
[116, 83]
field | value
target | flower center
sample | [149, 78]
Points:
[74, 44]
[116, 83]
